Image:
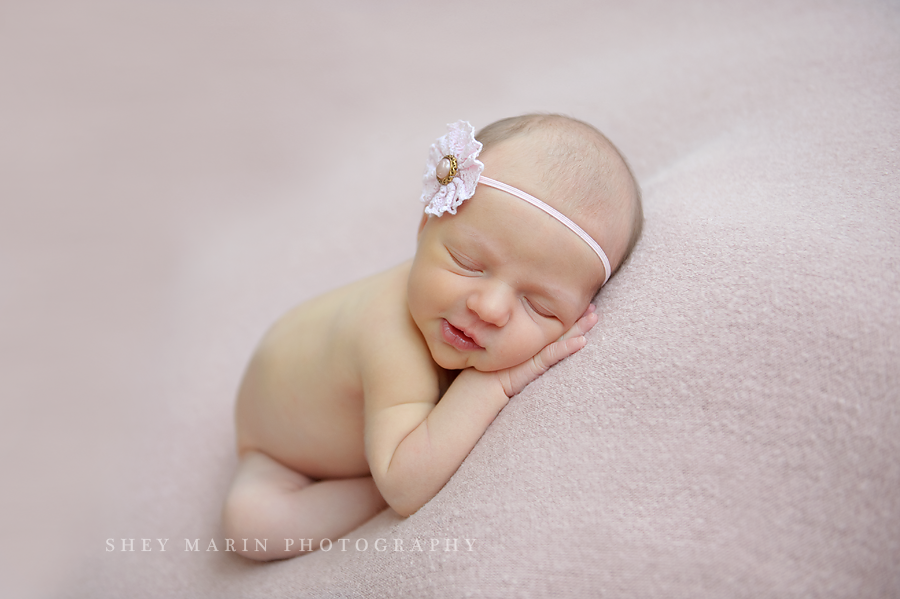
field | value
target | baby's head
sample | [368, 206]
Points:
[497, 277]
[573, 167]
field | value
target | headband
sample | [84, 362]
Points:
[453, 171]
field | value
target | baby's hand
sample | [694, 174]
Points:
[517, 378]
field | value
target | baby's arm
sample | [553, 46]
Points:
[415, 446]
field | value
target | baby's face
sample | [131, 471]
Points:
[494, 284]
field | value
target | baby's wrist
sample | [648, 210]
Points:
[486, 385]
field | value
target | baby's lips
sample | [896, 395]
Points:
[471, 335]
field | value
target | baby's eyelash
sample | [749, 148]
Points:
[461, 264]
[539, 311]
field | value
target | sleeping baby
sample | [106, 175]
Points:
[372, 395]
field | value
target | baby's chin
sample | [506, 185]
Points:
[450, 362]
[480, 363]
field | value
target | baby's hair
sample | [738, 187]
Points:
[582, 166]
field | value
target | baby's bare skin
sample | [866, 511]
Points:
[373, 394]
[343, 391]
[301, 401]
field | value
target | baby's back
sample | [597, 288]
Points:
[301, 401]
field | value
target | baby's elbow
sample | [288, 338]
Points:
[403, 483]
[404, 508]
[399, 497]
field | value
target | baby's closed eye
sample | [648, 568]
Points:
[538, 309]
[463, 262]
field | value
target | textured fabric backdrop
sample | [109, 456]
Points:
[175, 175]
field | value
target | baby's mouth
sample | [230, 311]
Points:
[457, 337]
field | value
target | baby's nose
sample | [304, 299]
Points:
[492, 302]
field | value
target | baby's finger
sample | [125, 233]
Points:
[556, 352]
[517, 378]
[582, 325]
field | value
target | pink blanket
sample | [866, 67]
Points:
[174, 176]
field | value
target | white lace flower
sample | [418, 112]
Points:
[453, 169]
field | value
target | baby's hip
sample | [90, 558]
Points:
[315, 444]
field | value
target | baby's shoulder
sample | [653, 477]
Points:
[382, 321]
[391, 349]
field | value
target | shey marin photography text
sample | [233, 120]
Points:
[293, 545]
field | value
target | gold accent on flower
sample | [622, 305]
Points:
[453, 170]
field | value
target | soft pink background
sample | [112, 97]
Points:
[175, 175]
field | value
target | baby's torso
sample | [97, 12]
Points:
[301, 401]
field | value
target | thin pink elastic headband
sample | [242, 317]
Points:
[555, 214]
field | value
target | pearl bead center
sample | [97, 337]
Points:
[446, 169]
[443, 168]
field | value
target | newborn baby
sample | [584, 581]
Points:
[373, 394]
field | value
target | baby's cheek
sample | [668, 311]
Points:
[522, 349]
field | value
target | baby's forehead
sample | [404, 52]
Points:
[523, 245]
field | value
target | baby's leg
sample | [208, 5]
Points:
[270, 501]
